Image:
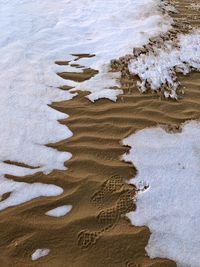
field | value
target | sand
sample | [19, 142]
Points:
[96, 232]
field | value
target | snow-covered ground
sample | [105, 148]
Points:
[169, 165]
[34, 34]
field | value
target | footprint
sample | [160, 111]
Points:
[125, 202]
[86, 238]
[107, 218]
[114, 184]
[98, 197]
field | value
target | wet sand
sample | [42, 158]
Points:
[96, 232]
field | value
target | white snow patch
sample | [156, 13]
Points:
[39, 253]
[23, 192]
[59, 211]
[160, 68]
[169, 163]
[110, 94]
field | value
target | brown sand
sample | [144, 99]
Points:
[95, 233]
[86, 74]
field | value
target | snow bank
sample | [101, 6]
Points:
[59, 211]
[169, 164]
[39, 253]
[158, 68]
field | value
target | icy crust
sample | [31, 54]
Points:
[158, 67]
[39, 253]
[169, 165]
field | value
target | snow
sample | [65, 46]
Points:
[110, 94]
[161, 66]
[39, 253]
[59, 211]
[23, 192]
[169, 165]
[35, 34]
[112, 29]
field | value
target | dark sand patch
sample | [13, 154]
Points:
[86, 74]
[62, 63]
[20, 164]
